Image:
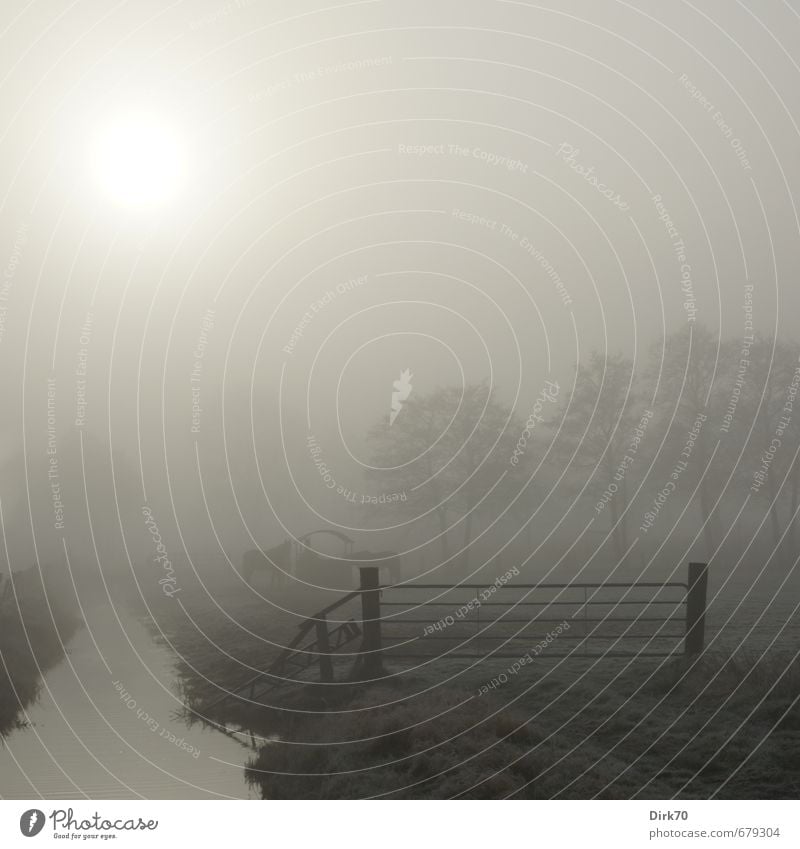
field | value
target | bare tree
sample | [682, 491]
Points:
[598, 421]
[694, 383]
[447, 450]
[771, 404]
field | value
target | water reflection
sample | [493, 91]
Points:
[90, 737]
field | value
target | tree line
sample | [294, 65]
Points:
[699, 426]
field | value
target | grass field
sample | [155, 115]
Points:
[570, 734]
[724, 725]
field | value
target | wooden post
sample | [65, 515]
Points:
[324, 650]
[371, 644]
[696, 609]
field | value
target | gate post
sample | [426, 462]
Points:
[371, 644]
[324, 650]
[696, 609]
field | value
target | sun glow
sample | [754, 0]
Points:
[138, 160]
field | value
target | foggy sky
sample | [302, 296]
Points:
[411, 146]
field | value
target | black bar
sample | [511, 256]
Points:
[324, 649]
[696, 608]
[543, 656]
[510, 637]
[490, 622]
[371, 619]
[451, 604]
[513, 586]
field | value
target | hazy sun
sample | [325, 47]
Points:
[138, 160]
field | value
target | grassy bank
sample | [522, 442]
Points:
[724, 726]
[569, 733]
[36, 622]
[219, 642]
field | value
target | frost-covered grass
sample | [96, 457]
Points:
[724, 726]
[567, 733]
